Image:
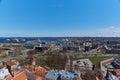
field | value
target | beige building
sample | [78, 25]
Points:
[4, 53]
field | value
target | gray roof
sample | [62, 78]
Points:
[64, 75]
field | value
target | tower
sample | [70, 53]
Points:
[67, 65]
[33, 60]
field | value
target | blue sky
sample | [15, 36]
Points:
[59, 18]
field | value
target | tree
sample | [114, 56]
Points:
[91, 75]
[56, 61]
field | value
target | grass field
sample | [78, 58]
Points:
[97, 60]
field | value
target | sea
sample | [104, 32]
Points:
[25, 39]
[50, 39]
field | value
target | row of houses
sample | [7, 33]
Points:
[12, 70]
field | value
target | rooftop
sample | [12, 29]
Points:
[62, 75]
[39, 71]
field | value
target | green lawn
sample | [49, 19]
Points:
[97, 60]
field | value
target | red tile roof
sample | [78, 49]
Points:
[39, 71]
[17, 76]
[9, 63]
[116, 72]
[38, 78]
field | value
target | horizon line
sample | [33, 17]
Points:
[55, 36]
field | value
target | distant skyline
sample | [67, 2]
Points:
[59, 18]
